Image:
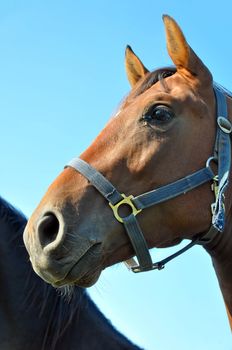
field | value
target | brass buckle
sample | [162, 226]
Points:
[128, 201]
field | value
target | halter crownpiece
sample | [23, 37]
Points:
[222, 157]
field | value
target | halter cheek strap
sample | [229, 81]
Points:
[221, 156]
[115, 200]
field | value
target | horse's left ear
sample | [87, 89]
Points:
[186, 61]
[134, 67]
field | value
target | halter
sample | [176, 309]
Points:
[221, 156]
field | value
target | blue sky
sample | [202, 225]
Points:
[61, 77]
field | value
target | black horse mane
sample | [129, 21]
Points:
[64, 303]
[11, 215]
[65, 300]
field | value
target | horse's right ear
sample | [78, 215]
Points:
[186, 61]
[135, 69]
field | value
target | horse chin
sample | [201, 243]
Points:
[169, 244]
[80, 278]
[88, 280]
[83, 272]
[85, 281]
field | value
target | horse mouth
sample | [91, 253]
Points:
[87, 280]
[85, 272]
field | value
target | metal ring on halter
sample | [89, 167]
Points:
[127, 200]
[224, 124]
[208, 162]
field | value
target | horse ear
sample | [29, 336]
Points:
[134, 67]
[184, 58]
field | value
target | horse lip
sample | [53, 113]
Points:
[61, 268]
[67, 279]
[86, 280]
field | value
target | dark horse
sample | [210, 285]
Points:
[33, 315]
[169, 147]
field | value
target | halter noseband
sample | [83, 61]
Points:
[222, 156]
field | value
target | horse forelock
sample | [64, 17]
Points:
[150, 79]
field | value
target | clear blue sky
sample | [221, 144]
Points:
[61, 77]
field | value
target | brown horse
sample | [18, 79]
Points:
[161, 138]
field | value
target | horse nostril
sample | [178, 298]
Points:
[48, 229]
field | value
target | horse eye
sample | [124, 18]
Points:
[158, 114]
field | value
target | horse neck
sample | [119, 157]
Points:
[17, 318]
[97, 332]
[31, 309]
[12, 263]
[27, 304]
[220, 249]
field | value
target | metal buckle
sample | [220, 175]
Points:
[155, 266]
[127, 200]
[137, 269]
[209, 161]
[215, 186]
[208, 165]
[224, 124]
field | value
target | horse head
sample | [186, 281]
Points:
[163, 131]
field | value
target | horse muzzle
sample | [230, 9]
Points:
[53, 255]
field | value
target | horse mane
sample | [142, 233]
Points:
[12, 216]
[66, 301]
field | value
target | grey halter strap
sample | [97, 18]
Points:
[222, 157]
